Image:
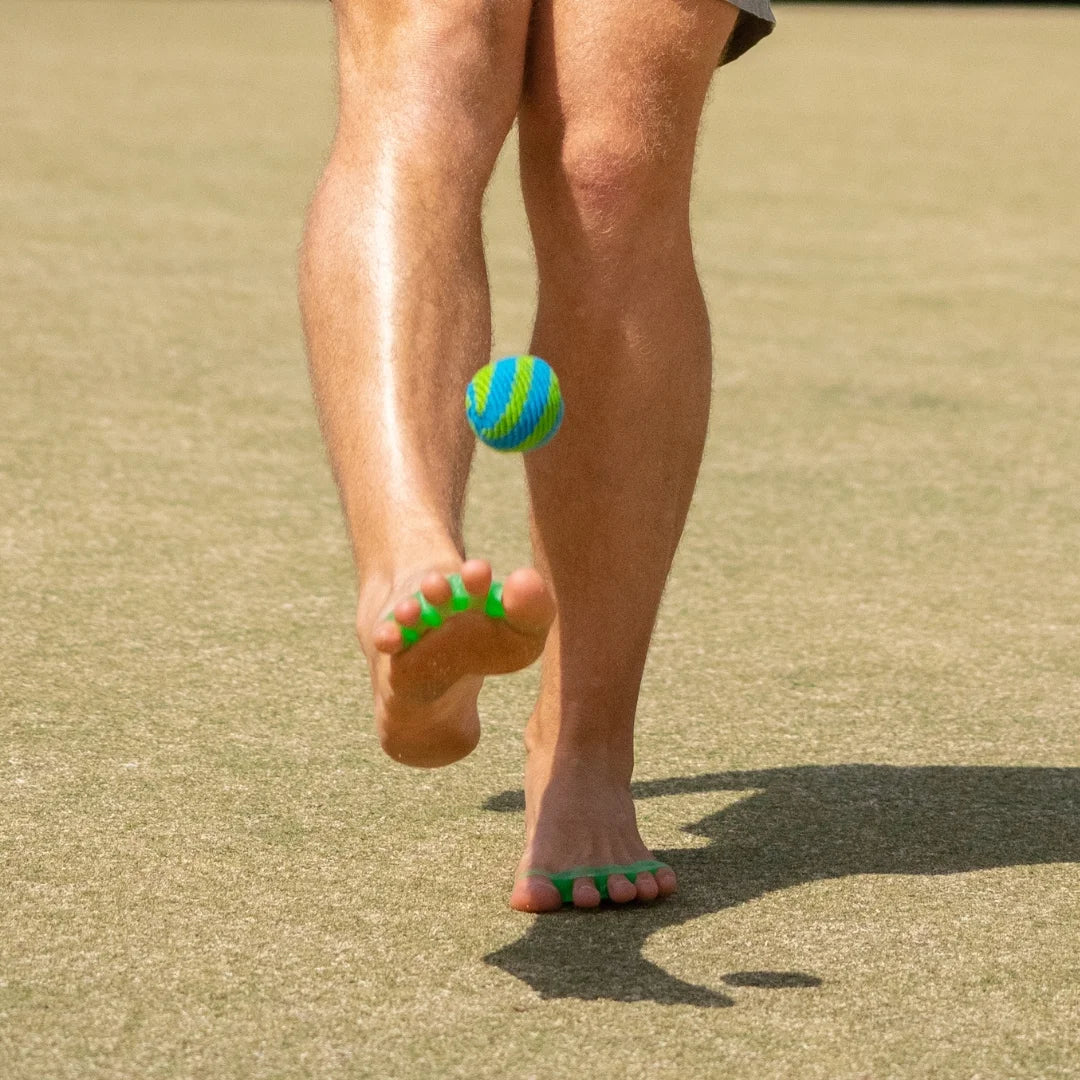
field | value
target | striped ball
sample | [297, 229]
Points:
[514, 403]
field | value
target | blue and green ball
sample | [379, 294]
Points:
[514, 404]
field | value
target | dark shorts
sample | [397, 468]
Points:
[755, 21]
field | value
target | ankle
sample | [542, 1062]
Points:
[590, 754]
[593, 729]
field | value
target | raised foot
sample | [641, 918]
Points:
[430, 650]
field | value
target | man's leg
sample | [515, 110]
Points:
[608, 127]
[397, 318]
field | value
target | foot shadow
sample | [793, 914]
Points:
[802, 824]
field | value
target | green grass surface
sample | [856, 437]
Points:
[858, 735]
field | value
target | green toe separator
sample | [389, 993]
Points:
[460, 600]
[494, 606]
[429, 613]
[564, 880]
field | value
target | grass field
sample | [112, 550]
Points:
[858, 737]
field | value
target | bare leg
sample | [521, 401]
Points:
[397, 318]
[608, 129]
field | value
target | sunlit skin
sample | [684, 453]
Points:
[396, 310]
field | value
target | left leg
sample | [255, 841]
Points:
[608, 126]
[396, 311]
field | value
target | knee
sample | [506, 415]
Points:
[608, 189]
[417, 69]
[616, 179]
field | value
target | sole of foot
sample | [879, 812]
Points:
[425, 693]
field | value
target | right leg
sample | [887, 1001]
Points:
[608, 131]
[396, 314]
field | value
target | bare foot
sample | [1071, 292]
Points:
[580, 814]
[425, 692]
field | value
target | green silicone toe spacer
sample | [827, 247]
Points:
[429, 614]
[461, 599]
[564, 879]
[494, 606]
[432, 616]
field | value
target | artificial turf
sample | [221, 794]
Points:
[858, 734]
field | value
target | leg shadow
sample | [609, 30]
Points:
[802, 824]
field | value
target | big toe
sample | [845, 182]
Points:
[535, 894]
[527, 601]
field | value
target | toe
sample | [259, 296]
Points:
[535, 893]
[436, 589]
[387, 638]
[407, 611]
[620, 889]
[476, 577]
[646, 886]
[666, 882]
[586, 894]
[527, 600]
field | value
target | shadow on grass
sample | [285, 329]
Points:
[800, 824]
